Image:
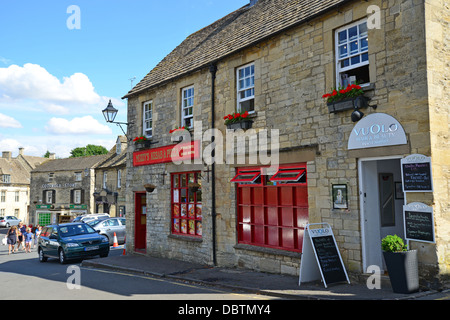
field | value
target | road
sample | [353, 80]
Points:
[23, 277]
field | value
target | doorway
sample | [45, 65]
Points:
[381, 205]
[140, 221]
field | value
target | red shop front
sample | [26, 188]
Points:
[272, 210]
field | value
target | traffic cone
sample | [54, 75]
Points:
[116, 243]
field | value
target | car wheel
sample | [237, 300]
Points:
[8, 225]
[42, 258]
[62, 257]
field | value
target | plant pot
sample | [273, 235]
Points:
[347, 104]
[403, 270]
[240, 125]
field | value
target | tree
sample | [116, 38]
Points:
[46, 155]
[89, 150]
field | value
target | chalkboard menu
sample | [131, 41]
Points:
[329, 259]
[419, 222]
[416, 174]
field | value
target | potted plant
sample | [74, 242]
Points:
[401, 264]
[141, 142]
[238, 120]
[347, 98]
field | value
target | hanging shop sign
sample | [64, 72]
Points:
[320, 256]
[416, 173]
[172, 153]
[376, 130]
[418, 222]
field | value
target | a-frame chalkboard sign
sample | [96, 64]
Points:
[320, 256]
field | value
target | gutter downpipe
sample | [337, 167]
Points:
[213, 70]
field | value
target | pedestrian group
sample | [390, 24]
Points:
[24, 236]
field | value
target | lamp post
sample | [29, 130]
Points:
[110, 114]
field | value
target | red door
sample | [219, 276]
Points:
[140, 238]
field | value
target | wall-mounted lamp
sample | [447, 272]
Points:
[358, 114]
[149, 187]
[110, 114]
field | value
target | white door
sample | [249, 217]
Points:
[381, 211]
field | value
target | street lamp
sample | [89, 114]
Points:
[110, 114]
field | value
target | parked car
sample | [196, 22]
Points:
[71, 241]
[107, 228]
[91, 216]
[9, 221]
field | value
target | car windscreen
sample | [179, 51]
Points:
[75, 230]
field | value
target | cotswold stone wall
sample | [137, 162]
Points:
[292, 72]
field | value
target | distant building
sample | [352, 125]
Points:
[15, 183]
[62, 189]
[110, 174]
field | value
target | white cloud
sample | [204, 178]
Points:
[34, 82]
[83, 125]
[9, 122]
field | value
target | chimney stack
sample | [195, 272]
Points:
[21, 151]
[6, 155]
[252, 3]
[52, 156]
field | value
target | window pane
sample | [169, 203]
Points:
[353, 47]
[355, 60]
[345, 63]
[363, 44]
[343, 51]
[342, 37]
[363, 29]
[352, 33]
[365, 57]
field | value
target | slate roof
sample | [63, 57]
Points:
[70, 164]
[236, 31]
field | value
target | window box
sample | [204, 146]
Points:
[142, 144]
[240, 125]
[347, 104]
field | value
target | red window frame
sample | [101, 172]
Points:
[277, 177]
[273, 214]
[186, 204]
[246, 176]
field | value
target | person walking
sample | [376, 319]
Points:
[28, 237]
[20, 240]
[37, 234]
[12, 236]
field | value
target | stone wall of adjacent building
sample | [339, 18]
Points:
[292, 72]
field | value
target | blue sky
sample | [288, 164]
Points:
[54, 81]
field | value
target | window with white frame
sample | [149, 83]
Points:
[77, 196]
[6, 178]
[187, 107]
[51, 177]
[16, 196]
[119, 179]
[246, 88]
[77, 176]
[3, 196]
[49, 196]
[105, 179]
[147, 116]
[352, 54]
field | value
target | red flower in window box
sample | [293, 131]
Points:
[178, 128]
[140, 139]
[235, 117]
[351, 91]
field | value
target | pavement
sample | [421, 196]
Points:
[242, 280]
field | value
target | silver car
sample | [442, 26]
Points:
[9, 221]
[107, 228]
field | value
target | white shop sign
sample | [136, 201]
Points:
[376, 130]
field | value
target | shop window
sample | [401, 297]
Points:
[352, 54]
[186, 195]
[247, 176]
[273, 212]
[289, 175]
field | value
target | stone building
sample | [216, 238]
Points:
[109, 195]
[276, 59]
[15, 183]
[62, 189]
